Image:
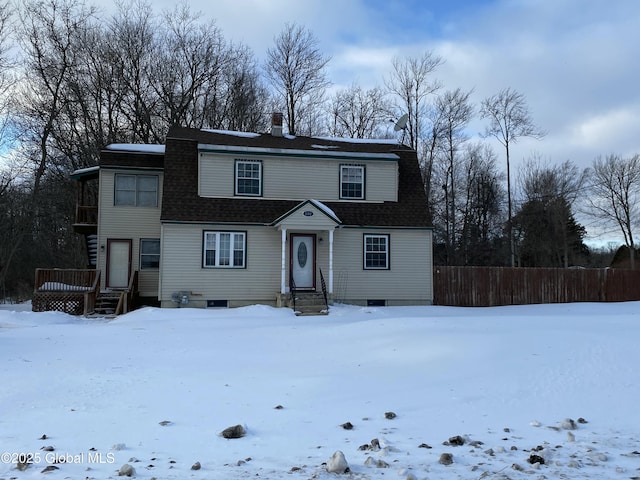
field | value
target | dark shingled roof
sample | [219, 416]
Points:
[131, 159]
[181, 202]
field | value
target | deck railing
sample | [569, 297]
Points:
[86, 214]
[65, 290]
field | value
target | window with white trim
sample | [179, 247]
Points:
[224, 250]
[136, 190]
[376, 252]
[248, 177]
[149, 253]
[352, 182]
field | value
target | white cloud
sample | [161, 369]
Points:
[605, 127]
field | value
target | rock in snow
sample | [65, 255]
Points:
[126, 470]
[456, 441]
[446, 459]
[337, 463]
[237, 431]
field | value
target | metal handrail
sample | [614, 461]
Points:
[324, 290]
[292, 289]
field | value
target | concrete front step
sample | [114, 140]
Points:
[309, 303]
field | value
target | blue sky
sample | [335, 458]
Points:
[575, 61]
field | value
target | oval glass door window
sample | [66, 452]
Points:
[302, 255]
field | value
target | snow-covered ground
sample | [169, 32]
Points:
[154, 389]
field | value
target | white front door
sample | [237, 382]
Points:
[303, 260]
[118, 263]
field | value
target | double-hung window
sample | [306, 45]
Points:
[352, 182]
[376, 252]
[136, 190]
[149, 253]
[248, 177]
[224, 250]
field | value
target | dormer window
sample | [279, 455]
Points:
[352, 182]
[248, 178]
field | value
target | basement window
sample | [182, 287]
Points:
[217, 303]
[376, 303]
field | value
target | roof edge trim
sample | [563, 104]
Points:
[234, 149]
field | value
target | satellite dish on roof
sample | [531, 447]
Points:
[401, 124]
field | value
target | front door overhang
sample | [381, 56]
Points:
[308, 216]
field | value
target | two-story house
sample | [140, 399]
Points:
[217, 218]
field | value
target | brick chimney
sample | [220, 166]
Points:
[276, 124]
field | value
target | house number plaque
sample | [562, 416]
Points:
[308, 213]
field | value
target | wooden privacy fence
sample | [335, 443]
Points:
[490, 286]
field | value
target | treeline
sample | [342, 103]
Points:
[73, 80]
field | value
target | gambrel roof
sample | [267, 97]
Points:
[181, 202]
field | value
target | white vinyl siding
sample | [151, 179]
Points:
[297, 178]
[408, 280]
[181, 260]
[128, 222]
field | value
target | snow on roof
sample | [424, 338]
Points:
[233, 132]
[324, 146]
[84, 171]
[321, 206]
[137, 147]
[386, 141]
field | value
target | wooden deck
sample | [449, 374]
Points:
[77, 292]
[63, 290]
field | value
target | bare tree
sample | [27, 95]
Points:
[509, 120]
[455, 112]
[549, 233]
[7, 64]
[243, 95]
[295, 67]
[429, 148]
[411, 81]
[481, 206]
[132, 33]
[50, 33]
[187, 73]
[358, 113]
[615, 195]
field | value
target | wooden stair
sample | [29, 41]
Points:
[107, 302]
